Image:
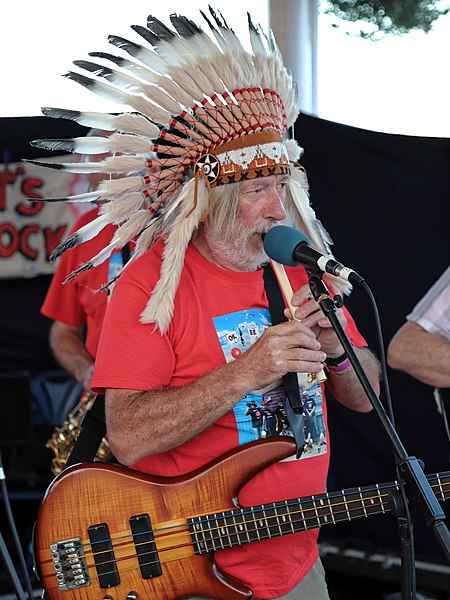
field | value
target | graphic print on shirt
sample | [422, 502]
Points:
[114, 268]
[261, 413]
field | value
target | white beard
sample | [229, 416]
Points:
[244, 251]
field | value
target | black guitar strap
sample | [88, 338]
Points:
[293, 404]
[92, 432]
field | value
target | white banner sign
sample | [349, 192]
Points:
[30, 230]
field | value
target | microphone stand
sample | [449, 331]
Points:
[411, 475]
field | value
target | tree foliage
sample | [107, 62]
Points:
[390, 16]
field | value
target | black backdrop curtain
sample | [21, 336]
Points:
[385, 201]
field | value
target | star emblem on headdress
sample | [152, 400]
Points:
[209, 166]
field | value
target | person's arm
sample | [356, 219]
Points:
[346, 387]
[69, 350]
[142, 423]
[423, 355]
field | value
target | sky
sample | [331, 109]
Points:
[397, 85]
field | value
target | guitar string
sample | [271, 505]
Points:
[305, 520]
[244, 512]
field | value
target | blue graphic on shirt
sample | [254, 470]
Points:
[261, 413]
[115, 265]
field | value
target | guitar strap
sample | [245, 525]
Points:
[92, 432]
[93, 428]
[293, 403]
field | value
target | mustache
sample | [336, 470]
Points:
[263, 230]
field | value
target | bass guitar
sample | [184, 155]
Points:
[107, 532]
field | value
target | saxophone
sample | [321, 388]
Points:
[63, 438]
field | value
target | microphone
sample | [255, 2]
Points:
[290, 247]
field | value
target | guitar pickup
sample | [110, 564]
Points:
[144, 542]
[105, 560]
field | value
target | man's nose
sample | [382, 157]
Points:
[274, 206]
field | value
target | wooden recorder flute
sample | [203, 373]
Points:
[286, 288]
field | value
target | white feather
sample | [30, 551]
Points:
[137, 124]
[293, 149]
[121, 209]
[147, 57]
[131, 228]
[114, 188]
[127, 122]
[123, 164]
[128, 144]
[159, 308]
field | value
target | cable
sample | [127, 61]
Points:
[4, 551]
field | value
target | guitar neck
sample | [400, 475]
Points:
[245, 525]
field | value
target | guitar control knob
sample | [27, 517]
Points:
[108, 597]
[132, 596]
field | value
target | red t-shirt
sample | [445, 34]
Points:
[217, 315]
[78, 302]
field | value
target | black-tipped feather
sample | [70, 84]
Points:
[145, 33]
[211, 26]
[126, 45]
[159, 29]
[67, 145]
[71, 242]
[86, 267]
[118, 60]
[92, 67]
[81, 79]
[184, 26]
[57, 166]
[60, 113]
[48, 199]
[220, 22]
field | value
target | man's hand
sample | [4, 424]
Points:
[286, 347]
[310, 314]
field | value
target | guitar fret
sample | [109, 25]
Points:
[288, 515]
[330, 508]
[324, 511]
[361, 495]
[281, 519]
[199, 536]
[277, 522]
[243, 529]
[237, 529]
[303, 521]
[253, 532]
[441, 489]
[317, 517]
[216, 535]
[379, 497]
[227, 530]
[263, 523]
[346, 507]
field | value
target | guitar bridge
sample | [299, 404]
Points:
[69, 563]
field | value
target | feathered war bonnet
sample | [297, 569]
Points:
[205, 112]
